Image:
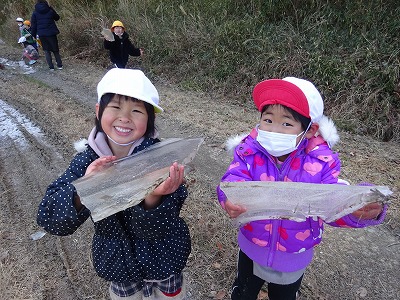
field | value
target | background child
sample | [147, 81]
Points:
[120, 46]
[26, 32]
[291, 143]
[143, 249]
[29, 51]
[20, 23]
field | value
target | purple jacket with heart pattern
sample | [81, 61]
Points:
[286, 245]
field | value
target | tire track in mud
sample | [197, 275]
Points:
[22, 142]
[61, 266]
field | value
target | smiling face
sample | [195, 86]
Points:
[118, 30]
[124, 120]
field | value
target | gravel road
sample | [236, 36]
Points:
[42, 113]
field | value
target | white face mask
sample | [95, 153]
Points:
[278, 144]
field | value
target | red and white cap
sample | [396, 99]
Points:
[301, 96]
[298, 94]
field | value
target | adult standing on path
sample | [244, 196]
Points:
[43, 24]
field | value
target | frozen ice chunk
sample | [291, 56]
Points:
[297, 200]
[37, 235]
[107, 34]
[125, 182]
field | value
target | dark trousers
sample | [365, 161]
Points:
[50, 44]
[50, 61]
[247, 285]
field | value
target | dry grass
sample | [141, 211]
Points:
[212, 264]
[349, 49]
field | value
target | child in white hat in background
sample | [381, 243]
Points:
[291, 143]
[20, 23]
[120, 46]
[29, 52]
[141, 250]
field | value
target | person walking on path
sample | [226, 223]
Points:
[43, 24]
[120, 46]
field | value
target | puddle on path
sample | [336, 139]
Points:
[13, 123]
[20, 66]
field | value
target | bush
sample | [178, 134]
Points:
[349, 49]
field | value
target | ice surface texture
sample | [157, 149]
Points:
[125, 182]
[297, 201]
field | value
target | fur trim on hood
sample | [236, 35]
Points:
[81, 145]
[327, 130]
[233, 141]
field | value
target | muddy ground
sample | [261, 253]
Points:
[42, 113]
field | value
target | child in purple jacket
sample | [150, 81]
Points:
[291, 143]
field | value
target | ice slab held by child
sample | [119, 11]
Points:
[107, 34]
[297, 200]
[125, 182]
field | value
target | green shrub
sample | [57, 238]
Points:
[349, 49]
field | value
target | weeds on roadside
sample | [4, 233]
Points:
[348, 48]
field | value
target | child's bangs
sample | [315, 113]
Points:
[297, 116]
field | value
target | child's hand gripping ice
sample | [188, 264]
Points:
[369, 211]
[233, 210]
[168, 186]
[99, 164]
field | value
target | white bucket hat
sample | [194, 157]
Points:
[129, 82]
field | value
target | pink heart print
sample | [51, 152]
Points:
[259, 161]
[235, 165]
[335, 173]
[259, 242]
[248, 227]
[302, 235]
[295, 164]
[280, 247]
[268, 228]
[265, 177]
[313, 168]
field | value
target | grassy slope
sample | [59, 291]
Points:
[349, 49]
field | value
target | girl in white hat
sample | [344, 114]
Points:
[143, 249]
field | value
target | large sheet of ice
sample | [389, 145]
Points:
[297, 200]
[125, 182]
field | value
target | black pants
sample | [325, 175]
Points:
[247, 285]
[50, 45]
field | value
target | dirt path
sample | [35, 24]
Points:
[43, 113]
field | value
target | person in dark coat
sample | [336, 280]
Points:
[120, 46]
[43, 24]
